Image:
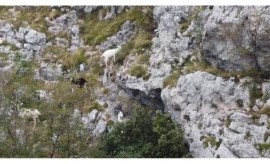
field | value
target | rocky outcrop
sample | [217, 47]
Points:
[28, 41]
[214, 124]
[121, 37]
[67, 23]
[231, 38]
[167, 45]
[235, 37]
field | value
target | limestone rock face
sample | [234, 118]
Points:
[205, 105]
[235, 37]
[34, 37]
[121, 37]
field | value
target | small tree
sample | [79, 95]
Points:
[143, 136]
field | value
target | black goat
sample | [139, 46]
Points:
[81, 82]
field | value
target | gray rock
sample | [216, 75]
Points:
[100, 127]
[34, 37]
[30, 47]
[263, 120]
[3, 136]
[222, 44]
[194, 96]
[266, 89]
[21, 33]
[241, 117]
[89, 9]
[113, 11]
[90, 119]
[121, 37]
[6, 29]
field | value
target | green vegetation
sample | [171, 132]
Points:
[242, 51]
[138, 70]
[3, 56]
[207, 67]
[123, 53]
[35, 17]
[265, 136]
[144, 136]
[211, 141]
[94, 31]
[74, 60]
[264, 146]
[143, 59]
[171, 80]
[228, 121]
[56, 119]
[248, 135]
[254, 93]
[94, 105]
[240, 103]
[142, 40]
[193, 15]
[13, 47]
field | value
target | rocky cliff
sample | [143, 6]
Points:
[219, 55]
[207, 66]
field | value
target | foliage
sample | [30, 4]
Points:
[207, 67]
[144, 136]
[228, 121]
[254, 93]
[240, 103]
[264, 146]
[171, 80]
[138, 71]
[142, 40]
[91, 27]
[74, 60]
[94, 105]
[124, 52]
[143, 59]
[211, 141]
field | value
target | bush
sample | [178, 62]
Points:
[124, 52]
[240, 103]
[254, 93]
[143, 40]
[92, 26]
[94, 105]
[143, 59]
[144, 136]
[138, 71]
[171, 80]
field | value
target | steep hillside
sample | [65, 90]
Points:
[204, 67]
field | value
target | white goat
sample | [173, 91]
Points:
[27, 113]
[109, 54]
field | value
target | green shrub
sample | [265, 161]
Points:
[254, 93]
[211, 141]
[228, 121]
[138, 71]
[73, 61]
[94, 105]
[264, 146]
[240, 103]
[144, 136]
[171, 80]
[94, 31]
[124, 52]
[143, 59]
[143, 40]
[105, 91]
[265, 110]
[248, 135]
